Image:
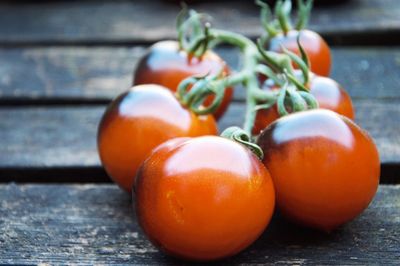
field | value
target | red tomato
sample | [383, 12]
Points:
[316, 48]
[324, 167]
[203, 198]
[329, 94]
[139, 120]
[166, 65]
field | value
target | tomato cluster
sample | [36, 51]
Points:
[203, 197]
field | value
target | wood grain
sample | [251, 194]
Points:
[123, 21]
[54, 136]
[78, 74]
[95, 224]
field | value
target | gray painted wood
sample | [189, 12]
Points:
[124, 21]
[53, 136]
[96, 224]
[49, 136]
[99, 74]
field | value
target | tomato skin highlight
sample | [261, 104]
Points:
[204, 198]
[324, 167]
[138, 121]
[166, 65]
[316, 48]
[328, 93]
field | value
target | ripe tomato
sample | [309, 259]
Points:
[166, 65]
[324, 167]
[203, 198]
[316, 48]
[329, 94]
[139, 120]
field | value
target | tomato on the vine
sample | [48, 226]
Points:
[324, 167]
[316, 48]
[203, 198]
[165, 64]
[139, 120]
[328, 93]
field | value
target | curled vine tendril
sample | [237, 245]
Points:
[195, 90]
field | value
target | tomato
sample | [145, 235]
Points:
[139, 120]
[203, 198]
[328, 93]
[166, 65]
[324, 167]
[316, 48]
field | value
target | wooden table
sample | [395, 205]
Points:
[61, 62]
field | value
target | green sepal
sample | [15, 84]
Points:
[282, 11]
[303, 13]
[299, 62]
[239, 135]
[312, 103]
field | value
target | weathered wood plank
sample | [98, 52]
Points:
[95, 224]
[126, 21]
[46, 137]
[67, 73]
[99, 74]
[49, 136]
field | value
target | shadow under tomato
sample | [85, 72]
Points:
[283, 241]
[280, 237]
[283, 232]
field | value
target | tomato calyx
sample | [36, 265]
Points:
[282, 64]
[294, 95]
[239, 135]
[279, 21]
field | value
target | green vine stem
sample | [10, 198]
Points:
[193, 91]
[246, 76]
